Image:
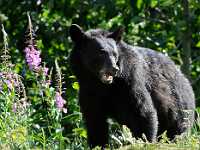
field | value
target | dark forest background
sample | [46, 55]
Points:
[168, 26]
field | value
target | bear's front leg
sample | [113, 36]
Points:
[146, 120]
[97, 128]
[95, 119]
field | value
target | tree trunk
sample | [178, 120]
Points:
[186, 44]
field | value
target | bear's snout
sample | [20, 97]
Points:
[107, 78]
[115, 69]
[107, 75]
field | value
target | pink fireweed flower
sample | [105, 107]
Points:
[32, 57]
[48, 82]
[9, 80]
[60, 102]
[14, 107]
[45, 70]
[9, 84]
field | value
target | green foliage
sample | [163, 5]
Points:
[32, 110]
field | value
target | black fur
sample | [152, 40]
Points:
[136, 86]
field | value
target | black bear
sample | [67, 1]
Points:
[136, 86]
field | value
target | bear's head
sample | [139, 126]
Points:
[98, 51]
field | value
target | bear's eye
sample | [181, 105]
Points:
[102, 53]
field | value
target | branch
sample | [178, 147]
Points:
[186, 53]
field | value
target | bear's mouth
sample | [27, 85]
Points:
[107, 78]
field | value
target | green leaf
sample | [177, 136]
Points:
[81, 132]
[154, 3]
[72, 77]
[198, 44]
[72, 117]
[139, 4]
[166, 3]
[75, 86]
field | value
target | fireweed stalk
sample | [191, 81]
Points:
[60, 102]
[10, 82]
[32, 53]
[33, 60]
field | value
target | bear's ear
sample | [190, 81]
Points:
[76, 33]
[117, 35]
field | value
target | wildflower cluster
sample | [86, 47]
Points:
[32, 53]
[34, 61]
[6, 79]
[60, 102]
[10, 82]
[31, 105]
[32, 57]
